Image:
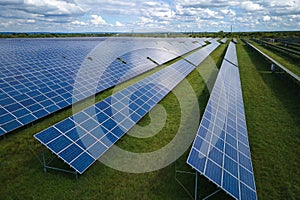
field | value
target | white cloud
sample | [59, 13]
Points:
[77, 22]
[228, 12]
[52, 7]
[123, 15]
[157, 11]
[31, 21]
[266, 18]
[119, 24]
[250, 6]
[97, 20]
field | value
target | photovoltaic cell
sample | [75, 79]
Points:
[40, 76]
[198, 56]
[89, 134]
[221, 150]
[230, 55]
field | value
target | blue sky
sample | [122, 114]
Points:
[148, 16]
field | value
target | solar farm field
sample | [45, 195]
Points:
[39, 83]
[286, 53]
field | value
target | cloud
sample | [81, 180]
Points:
[228, 12]
[11, 2]
[205, 3]
[266, 18]
[157, 11]
[77, 22]
[119, 24]
[52, 7]
[124, 15]
[97, 20]
[250, 6]
[31, 21]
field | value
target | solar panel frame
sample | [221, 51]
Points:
[42, 74]
[231, 55]
[223, 130]
[115, 120]
[198, 56]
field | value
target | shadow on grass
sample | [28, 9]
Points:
[220, 59]
[292, 59]
[281, 85]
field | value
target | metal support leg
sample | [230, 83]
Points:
[44, 160]
[196, 184]
[212, 194]
[47, 166]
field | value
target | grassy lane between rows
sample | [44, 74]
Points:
[22, 176]
[290, 62]
[273, 119]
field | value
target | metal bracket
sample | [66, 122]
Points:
[47, 166]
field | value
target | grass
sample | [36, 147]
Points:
[291, 62]
[22, 177]
[273, 118]
[273, 127]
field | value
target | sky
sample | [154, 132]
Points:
[148, 15]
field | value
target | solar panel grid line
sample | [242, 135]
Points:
[244, 180]
[231, 54]
[62, 77]
[75, 158]
[129, 91]
[197, 57]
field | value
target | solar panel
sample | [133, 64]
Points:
[224, 40]
[230, 55]
[198, 56]
[82, 138]
[221, 149]
[40, 76]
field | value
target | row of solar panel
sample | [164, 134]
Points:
[196, 58]
[224, 40]
[221, 149]
[37, 101]
[230, 55]
[37, 93]
[84, 137]
[32, 53]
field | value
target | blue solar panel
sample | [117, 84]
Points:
[197, 57]
[224, 40]
[221, 150]
[231, 54]
[92, 131]
[42, 76]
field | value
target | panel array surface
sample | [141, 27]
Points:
[230, 55]
[224, 40]
[81, 139]
[221, 149]
[198, 56]
[42, 76]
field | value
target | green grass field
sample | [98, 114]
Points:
[291, 62]
[273, 119]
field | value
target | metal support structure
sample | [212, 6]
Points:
[181, 184]
[196, 174]
[215, 192]
[47, 166]
[196, 185]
